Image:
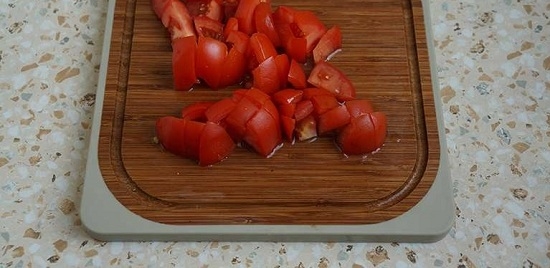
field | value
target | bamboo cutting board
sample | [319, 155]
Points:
[384, 54]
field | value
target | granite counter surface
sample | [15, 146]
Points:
[493, 64]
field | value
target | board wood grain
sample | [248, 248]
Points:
[384, 54]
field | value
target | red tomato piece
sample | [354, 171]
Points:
[205, 8]
[177, 20]
[236, 121]
[170, 132]
[359, 107]
[364, 134]
[245, 14]
[196, 111]
[255, 95]
[263, 133]
[210, 60]
[218, 111]
[295, 47]
[234, 68]
[283, 15]
[310, 27]
[283, 66]
[329, 44]
[232, 24]
[333, 119]
[313, 91]
[263, 23]
[296, 75]
[306, 129]
[288, 125]
[266, 76]
[326, 76]
[304, 108]
[262, 47]
[287, 110]
[238, 40]
[183, 62]
[179, 136]
[324, 103]
[287, 96]
[215, 144]
[207, 27]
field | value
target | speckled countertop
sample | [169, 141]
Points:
[493, 62]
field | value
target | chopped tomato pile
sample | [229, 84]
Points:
[221, 43]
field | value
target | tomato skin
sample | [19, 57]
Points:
[231, 25]
[196, 111]
[215, 144]
[266, 76]
[304, 108]
[333, 119]
[245, 14]
[218, 111]
[324, 103]
[295, 47]
[326, 76]
[262, 47]
[287, 109]
[179, 136]
[210, 58]
[236, 121]
[183, 63]
[287, 96]
[233, 69]
[310, 27]
[359, 107]
[364, 134]
[283, 66]
[170, 132]
[263, 23]
[263, 133]
[329, 44]
[296, 75]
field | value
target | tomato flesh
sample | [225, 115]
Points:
[364, 134]
[183, 62]
[215, 144]
[325, 75]
[330, 43]
[263, 23]
[296, 75]
[333, 119]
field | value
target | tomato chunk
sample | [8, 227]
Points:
[266, 76]
[263, 133]
[304, 108]
[296, 75]
[333, 119]
[326, 76]
[183, 62]
[329, 44]
[196, 111]
[360, 107]
[175, 17]
[364, 134]
[323, 103]
[287, 96]
[218, 111]
[263, 23]
[245, 14]
[262, 47]
[210, 59]
[207, 27]
[215, 144]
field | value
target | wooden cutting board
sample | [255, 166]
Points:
[384, 54]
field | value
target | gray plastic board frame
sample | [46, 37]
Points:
[104, 218]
